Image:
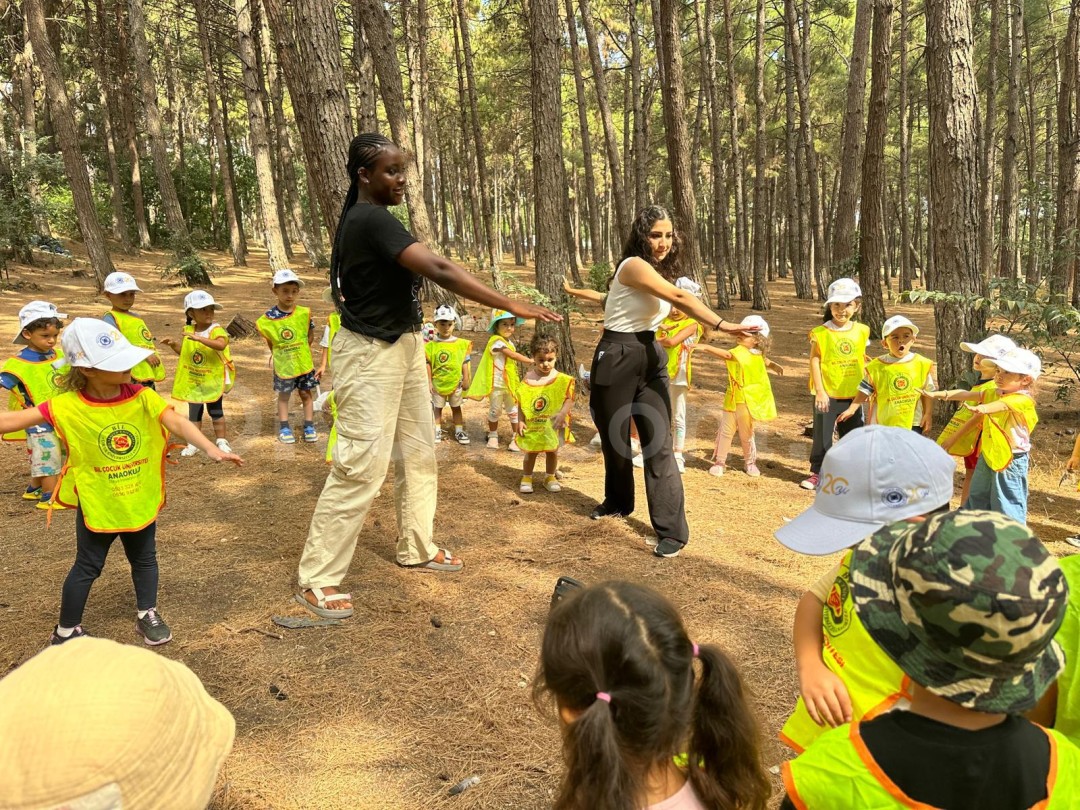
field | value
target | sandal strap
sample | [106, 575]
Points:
[322, 599]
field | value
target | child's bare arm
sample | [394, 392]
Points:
[466, 375]
[716, 351]
[821, 396]
[856, 403]
[218, 344]
[998, 406]
[825, 695]
[953, 395]
[678, 337]
[172, 343]
[774, 367]
[11, 421]
[512, 355]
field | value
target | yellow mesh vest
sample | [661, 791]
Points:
[484, 378]
[288, 337]
[748, 383]
[996, 447]
[134, 329]
[966, 445]
[896, 389]
[201, 371]
[446, 359]
[1068, 636]
[334, 322]
[539, 404]
[39, 378]
[843, 358]
[675, 353]
[116, 459]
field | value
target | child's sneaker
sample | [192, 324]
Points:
[438, 434]
[551, 484]
[513, 448]
[32, 494]
[717, 470]
[189, 451]
[309, 434]
[223, 445]
[1073, 540]
[56, 638]
[811, 482]
[153, 629]
[752, 470]
[493, 442]
[526, 484]
[46, 502]
[460, 436]
[680, 462]
[285, 436]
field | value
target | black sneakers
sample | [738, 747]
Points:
[603, 511]
[668, 547]
[56, 638]
[153, 629]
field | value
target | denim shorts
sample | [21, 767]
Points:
[305, 382]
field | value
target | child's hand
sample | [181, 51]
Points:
[847, 414]
[779, 369]
[825, 696]
[518, 427]
[154, 361]
[821, 402]
[216, 455]
[942, 395]
[1072, 463]
[979, 409]
[172, 343]
[927, 422]
[318, 374]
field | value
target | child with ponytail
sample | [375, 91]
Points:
[642, 726]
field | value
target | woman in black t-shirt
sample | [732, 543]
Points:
[380, 379]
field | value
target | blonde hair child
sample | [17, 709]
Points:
[545, 397]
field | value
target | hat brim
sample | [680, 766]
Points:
[842, 299]
[125, 288]
[494, 323]
[979, 348]
[1014, 370]
[287, 281]
[818, 534]
[124, 360]
[878, 608]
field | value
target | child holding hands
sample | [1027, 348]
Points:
[545, 398]
[497, 378]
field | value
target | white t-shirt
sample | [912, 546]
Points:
[325, 342]
[499, 359]
[631, 310]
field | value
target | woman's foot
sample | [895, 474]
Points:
[328, 590]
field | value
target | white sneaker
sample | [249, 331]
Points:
[680, 462]
[595, 440]
[438, 434]
[551, 484]
[189, 451]
[583, 373]
[1073, 540]
[461, 436]
[717, 470]
[638, 460]
[513, 448]
[223, 445]
[493, 443]
[526, 485]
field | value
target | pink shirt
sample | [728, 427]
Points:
[684, 799]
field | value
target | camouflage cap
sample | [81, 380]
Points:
[967, 604]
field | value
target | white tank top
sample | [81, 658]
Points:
[632, 310]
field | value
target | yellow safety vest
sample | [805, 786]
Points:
[874, 682]
[997, 449]
[289, 344]
[446, 357]
[966, 446]
[896, 389]
[331, 440]
[539, 404]
[484, 378]
[39, 378]
[203, 374]
[1068, 636]
[334, 322]
[134, 329]
[669, 327]
[839, 773]
[116, 459]
[748, 383]
[843, 358]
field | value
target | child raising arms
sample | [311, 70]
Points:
[497, 378]
[545, 398]
[619, 665]
[115, 435]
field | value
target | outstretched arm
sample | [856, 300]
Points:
[11, 421]
[716, 351]
[641, 275]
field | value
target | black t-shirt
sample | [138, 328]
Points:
[1004, 767]
[380, 298]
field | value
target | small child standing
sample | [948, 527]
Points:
[31, 379]
[545, 397]
[205, 372]
[640, 727]
[288, 330]
[896, 383]
[120, 289]
[749, 396]
[115, 435]
[449, 365]
[497, 378]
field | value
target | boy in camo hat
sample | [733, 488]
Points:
[967, 604]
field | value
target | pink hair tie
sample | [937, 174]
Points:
[695, 648]
[604, 696]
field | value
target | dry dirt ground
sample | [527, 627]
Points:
[429, 683]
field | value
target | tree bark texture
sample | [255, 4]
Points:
[720, 251]
[1008, 248]
[127, 125]
[987, 139]
[592, 203]
[742, 229]
[1068, 155]
[761, 225]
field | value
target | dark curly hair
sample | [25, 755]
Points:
[543, 341]
[637, 242]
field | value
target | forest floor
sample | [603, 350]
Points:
[430, 681]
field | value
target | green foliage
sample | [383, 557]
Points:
[189, 266]
[515, 289]
[599, 273]
[17, 212]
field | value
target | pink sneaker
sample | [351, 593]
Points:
[717, 470]
[811, 482]
[752, 470]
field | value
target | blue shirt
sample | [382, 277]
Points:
[11, 383]
[275, 313]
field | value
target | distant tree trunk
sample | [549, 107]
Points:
[64, 126]
[1068, 176]
[30, 134]
[170, 202]
[986, 146]
[802, 241]
[1034, 204]
[872, 220]
[593, 206]
[851, 141]
[905, 154]
[467, 146]
[127, 127]
[618, 188]
[719, 185]
[954, 206]
[545, 46]
[366, 92]
[742, 251]
[640, 163]
[426, 97]
[761, 226]
[1007, 267]
[219, 70]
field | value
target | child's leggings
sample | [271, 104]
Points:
[678, 413]
[195, 409]
[91, 550]
[825, 423]
[738, 420]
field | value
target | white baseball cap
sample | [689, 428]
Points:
[197, 299]
[896, 322]
[688, 284]
[90, 343]
[874, 476]
[843, 291]
[1020, 361]
[758, 321]
[446, 313]
[285, 276]
[35, 311]
[120, 282]
[993, 346]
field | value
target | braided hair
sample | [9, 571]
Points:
[364, 150]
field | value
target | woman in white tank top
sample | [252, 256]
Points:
[629, 377]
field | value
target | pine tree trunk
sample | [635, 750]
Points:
[593, 206]
[127, 126]
[1068, 173]
[1031, 273]
[473, 197]
[986, 147]
[761, 226]
[905, 154]
[64, 125]
[640, 163]
[1007, 256]
[802, 251]
[742, 257]
[366, 93]
[29, 136]
[720, 256]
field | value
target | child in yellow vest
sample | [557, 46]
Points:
[1000, 480]
[120, 289]
[874, 478]
[895, 383]
[330, 330]
[30, 378]
[966, 604]
[837, 365]
[449, 366]
[205, 372]
[1060, 706]
[288, 330]
[115, 433]
[749, 396]
[497, 378]
[545, 397]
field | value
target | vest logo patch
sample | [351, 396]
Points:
[539, 404]
[287, 334]
[443, 357]
[119, 441]
[901, 382]
[146, 335]
[834, 617]
[844, 347]
[197, 358]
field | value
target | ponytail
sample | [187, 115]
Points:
[597, 773]
[724, 761]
